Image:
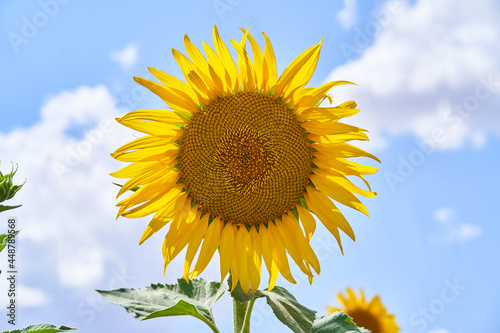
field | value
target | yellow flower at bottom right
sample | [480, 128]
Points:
[371, 314]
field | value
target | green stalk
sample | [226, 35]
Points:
[241, 316]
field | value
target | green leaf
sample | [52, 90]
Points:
[285, 307]
[5, 238]
[290, 312]
[195, 298]
[14, 189]
[337, 322]
[42, 328]
[4, 208]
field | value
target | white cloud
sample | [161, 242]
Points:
[82, 269]
[68, 199]
[127, 57]
[452, 230]
[466, 232]
[439, 330]
[347, 16]
[431, 66]
[30, 297]
[444, 215]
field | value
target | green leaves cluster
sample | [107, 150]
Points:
[7, 189]
[198, 297]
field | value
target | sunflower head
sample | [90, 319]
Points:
[240, 160]
[368, 314]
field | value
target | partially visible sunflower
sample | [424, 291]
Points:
[371, 315]
[240, 159]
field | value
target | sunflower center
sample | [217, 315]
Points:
[245, 158]
[365, 319]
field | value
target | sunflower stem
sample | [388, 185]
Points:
[241, 316]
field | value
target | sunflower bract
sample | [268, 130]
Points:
[241, 160]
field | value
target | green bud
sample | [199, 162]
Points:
[7, 190]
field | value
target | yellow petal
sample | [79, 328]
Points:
[307, 220]
[168, 96]
[210, 244]
[344, 150]
[175, 84]
[152, 205]
[294, 71]
[325, 219]
[136, 169]
[326, 114]
[163, 177]
[177, 238]
[290, 245]
[329, 128]
[163, 216]
[235, 262]
[278, 252]
[344, 182]
[146, 153]
[246, 76]
[197, 79]
[227, 249]
[194, 244]
[324, 206]
[338, 138]
[311, 98]
[150, 127]
[337, 192]
[258, 61]
[226, 59]
[146, 142]
[196, 56]
[270, 64]
[255, 268]
[302, 243]
[271, 266]
[163, 116]
[218, 67]
[242, 249]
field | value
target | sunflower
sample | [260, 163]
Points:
[371, 315]
[240, 161]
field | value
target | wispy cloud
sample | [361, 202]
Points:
[452, 230]
[444, 215]
[30, 297]
[126, 57]
[347, 16]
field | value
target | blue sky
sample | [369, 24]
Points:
[428, 87]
